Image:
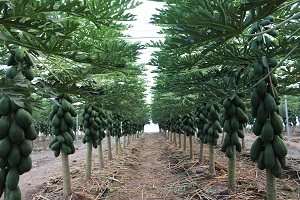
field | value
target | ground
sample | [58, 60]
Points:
[152, 167]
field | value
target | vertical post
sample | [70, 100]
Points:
[77, 130]
[287, 118]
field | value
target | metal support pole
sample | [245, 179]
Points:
[287, 118]
[77, 130]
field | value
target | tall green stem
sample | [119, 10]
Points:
[67, 191]
[201, 153]
[184, 141]
[117, 145]
[100, 152]
[271, 185]
[231, 172]
[179, 140]
[124, 145]
[191, 146]
[212, 170]
[175, 141]
[170, 136]
[109, 157]
[128, 139]
[88, 161]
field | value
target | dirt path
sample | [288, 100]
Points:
[151, 167]
[148, 177]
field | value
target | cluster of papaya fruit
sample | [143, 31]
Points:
[188, 124]
[20, 64]
[233, 121]
[200, 121]
[62, 121]
[16, 132]
[177, 125]
[258, 27]
[116, 125]
[94, 122]
[212, 128]
[268, 149]
[16, 129]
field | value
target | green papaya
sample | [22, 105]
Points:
[12, 178]
[14, 155]
[4, 126]
[269, 156]
[4, 106]
[25, 164]
[267, 132]
[11, 72]
[255, 149]
[16, 133]
[23, 118]
[25, 147]
[19, 55]
[15, 194]
[29, 73]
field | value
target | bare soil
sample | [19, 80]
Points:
[152, 167]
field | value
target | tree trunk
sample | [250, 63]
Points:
[184, 141]
[175, 142]
[271, 185]
[128, 139]
[179, 140]
[170, 134]
[117, 145]
[223, 136]
[67, 188]
[231, 173]
[100, 154]
[191, 146]
[201, 153]
[124, 145]
[109, 157]
[212, 170]
[88, 161]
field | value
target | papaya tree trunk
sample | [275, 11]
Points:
[6, 195]
[124, 145]
[231, 172]
[179, 140]
[184, 141]
[128, 139]
[191, 146]
[201, 153]
[175, 141]
[109, 157]
[88, 170]
[170, 134]
[223, 136]
[271, 185]
[212, 170]
[117, 145]
[67, 188]
[100, 152]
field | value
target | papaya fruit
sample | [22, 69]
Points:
[66, 149]
[270, 103]
[65, 105]
[11, 60]
[267, 132]
[262, 87]
[52, 141]
[257, 126]
[69, 119]
[255, 149]
[234, 138]
[68, 97]
[30, 132]
[229, 151]
[262, 114]
[4, 106]
[60, 113]
[25, 147]
[11, 72]
[269, 156]
[25, 164]
[279, 147]
[277, 170]
[16, 133]
[14, 155]
[261, 160]
[12, 178]
[55, 121]
[234, 124]
[258, 68]
[277, 123]
[231, 110]
[19, 55]
[23, 118]
[3, 163]
[255, 99]
[29, 73]
[15, 194]
[4, 126]
[28, 60]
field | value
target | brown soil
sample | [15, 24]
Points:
[152, 167]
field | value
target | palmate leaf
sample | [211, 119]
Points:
[209, 22]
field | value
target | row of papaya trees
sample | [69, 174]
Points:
[61, 60]
[225, 63]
